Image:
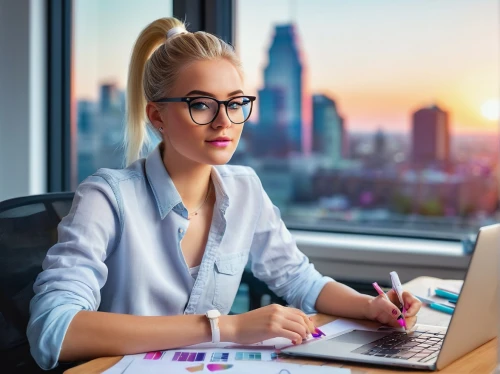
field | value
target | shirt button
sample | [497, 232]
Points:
[181, 231]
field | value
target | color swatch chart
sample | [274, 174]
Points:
[248, 356]
[219, 357]
[154, 355]
[189, 356]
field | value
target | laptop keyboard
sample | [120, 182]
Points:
[420, 346]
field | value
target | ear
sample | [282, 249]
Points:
[154, 115]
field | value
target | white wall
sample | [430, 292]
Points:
[22, 98]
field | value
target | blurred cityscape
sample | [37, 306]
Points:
[323, 176]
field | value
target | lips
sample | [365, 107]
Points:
[220, 142]
[220, 139]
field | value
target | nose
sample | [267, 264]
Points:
[221, 120]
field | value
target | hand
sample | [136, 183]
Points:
[269, 322]
[384, 311]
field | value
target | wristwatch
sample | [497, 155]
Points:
[213, 316]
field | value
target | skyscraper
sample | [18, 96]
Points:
[430, 136]
[84, 113]
[109, 98]
[283, 86]
[328, 129]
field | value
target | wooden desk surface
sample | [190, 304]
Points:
[482, 360]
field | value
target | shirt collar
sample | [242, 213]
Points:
[163, 187]
[164, 190]
[221, 191]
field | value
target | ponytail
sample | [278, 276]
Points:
[136, 135]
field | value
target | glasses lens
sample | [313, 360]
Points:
[203, 110]
[239, 109]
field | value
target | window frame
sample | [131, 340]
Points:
[61, 135]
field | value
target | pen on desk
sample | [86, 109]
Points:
[436, 306]
[401, 319]
[446, 294]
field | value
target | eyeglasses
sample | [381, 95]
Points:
[204, 109]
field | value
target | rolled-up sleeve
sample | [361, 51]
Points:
[276, 260]
[73, 269]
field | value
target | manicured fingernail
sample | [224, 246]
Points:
[395, 312]
[294, 342]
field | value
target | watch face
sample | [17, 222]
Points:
[214, 313]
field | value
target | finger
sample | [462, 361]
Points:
[412, 304]
[387, 319]
[293, 336]
[393, 296]
[390, 321]
[388, 307]
[410, 322]
[308, 321]
[295, 325]
[299, 320]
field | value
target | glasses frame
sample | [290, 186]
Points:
[189, 99]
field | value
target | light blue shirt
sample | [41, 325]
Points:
[119, 251]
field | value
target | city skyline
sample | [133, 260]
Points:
[382, 61]
[470, 70]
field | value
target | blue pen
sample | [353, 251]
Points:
[442, 308]
[446, 294]
[436, 306]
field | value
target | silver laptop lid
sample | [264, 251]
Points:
[474, 321]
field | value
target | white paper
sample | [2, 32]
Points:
[120, 366]
[138, 367]
[266, 348]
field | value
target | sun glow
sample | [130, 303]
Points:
[491, 109]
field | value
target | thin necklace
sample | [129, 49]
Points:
[195, 213]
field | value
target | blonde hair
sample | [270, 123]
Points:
[155, 63]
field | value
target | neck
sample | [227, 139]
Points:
[191, 179]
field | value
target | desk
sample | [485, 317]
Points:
[482, 360]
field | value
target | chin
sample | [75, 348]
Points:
[220, 159]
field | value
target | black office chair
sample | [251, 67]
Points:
[28, 228]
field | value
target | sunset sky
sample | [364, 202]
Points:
[379, 59]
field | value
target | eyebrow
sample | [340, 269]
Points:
[198, 92]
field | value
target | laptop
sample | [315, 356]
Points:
[474, 322]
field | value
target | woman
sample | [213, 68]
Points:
[147, 251]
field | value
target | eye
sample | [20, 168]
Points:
[199, 105]
[238, 103]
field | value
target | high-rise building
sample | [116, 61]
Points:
[380, 143]
[84, 119]
[328, 129]
[430, 137]
[110, 100]
[283, 87]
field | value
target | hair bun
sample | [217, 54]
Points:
[175, 31]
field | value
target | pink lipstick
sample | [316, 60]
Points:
[220, 142]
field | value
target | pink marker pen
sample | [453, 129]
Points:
[379, 290]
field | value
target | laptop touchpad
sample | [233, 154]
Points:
[359, 337]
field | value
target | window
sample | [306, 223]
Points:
[104, 35]
[378, 116]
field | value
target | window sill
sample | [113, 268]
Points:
[369, 258]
